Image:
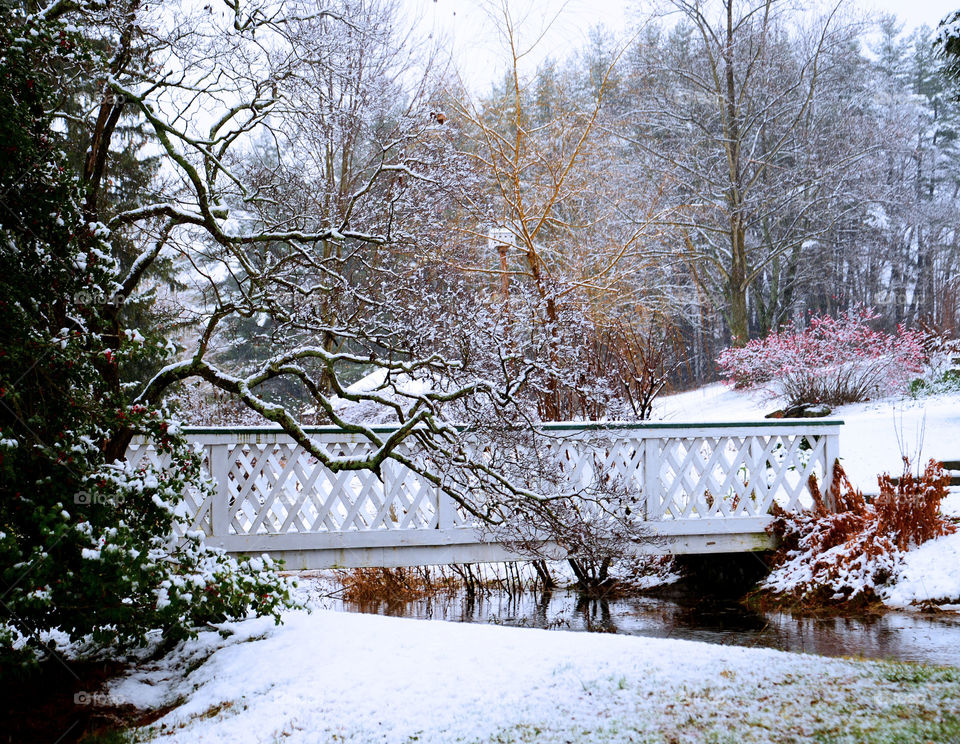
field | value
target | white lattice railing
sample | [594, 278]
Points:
[701, 487]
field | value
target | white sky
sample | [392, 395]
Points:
[465, 26]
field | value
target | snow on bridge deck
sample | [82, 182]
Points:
[702, 488]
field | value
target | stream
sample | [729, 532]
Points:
[904, 636]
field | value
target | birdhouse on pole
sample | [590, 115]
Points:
[499, 236]
[502, 239]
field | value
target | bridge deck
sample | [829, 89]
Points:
[701, 488]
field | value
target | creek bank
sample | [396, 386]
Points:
[681, 611]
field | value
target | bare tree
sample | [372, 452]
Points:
[312, 239]
[302, 169]
[738, 106]
[564, 261]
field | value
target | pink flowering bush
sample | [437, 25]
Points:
[833, 361]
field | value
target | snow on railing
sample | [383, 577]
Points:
[690, 480]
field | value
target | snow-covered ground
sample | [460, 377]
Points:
[337, 677]
[929, 573]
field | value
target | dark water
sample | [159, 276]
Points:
[933, 639]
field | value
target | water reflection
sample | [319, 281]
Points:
[898, 635]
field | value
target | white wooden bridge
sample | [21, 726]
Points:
[702, 488]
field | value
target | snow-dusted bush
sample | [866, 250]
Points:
[940, 374]
[832, 360]
[847, 554]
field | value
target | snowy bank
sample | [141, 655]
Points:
[929, 573]
[365, 678]
[876, 435]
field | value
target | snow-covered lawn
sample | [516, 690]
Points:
[336, 677]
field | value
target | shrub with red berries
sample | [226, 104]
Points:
[832, 361]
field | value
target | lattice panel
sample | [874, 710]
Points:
[195, 508]
[607, 470]
[733, 476]
[616, 464]
[278, 488]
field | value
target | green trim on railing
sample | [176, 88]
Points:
[641, 425]
[553, 426]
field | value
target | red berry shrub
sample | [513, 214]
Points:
[833, 360]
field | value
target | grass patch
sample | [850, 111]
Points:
[917, 674]
[109, 737]
[848, 703]
[946, 382]
[905, 728]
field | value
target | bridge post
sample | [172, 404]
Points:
[651, 478]
[220, 509]
[757, 470]
[445, 510]
[831, 451]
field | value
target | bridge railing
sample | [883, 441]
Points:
[699, 487]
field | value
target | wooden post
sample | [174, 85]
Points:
[831, 452]
[651, 476]
[504, 276]
[501, 238]
[220, 511]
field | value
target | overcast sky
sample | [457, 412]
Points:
[463, 24]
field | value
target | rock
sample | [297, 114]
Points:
[802, 410]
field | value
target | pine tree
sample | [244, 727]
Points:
[947, 45]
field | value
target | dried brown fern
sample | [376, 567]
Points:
[908, 508]
[836, 556]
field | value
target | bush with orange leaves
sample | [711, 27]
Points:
[844, 556]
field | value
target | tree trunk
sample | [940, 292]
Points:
[738, 317]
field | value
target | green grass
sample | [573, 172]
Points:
[903, 729]
[916, 674]
[860, 703]
[109, 737]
